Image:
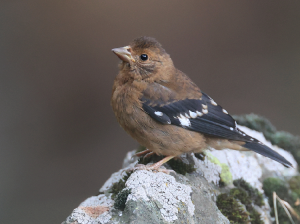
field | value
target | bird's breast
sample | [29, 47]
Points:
[126, 104]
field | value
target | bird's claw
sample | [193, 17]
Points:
[152, 168]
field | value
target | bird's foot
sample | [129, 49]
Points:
[152, 167]
[156, 166]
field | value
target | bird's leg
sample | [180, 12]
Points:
[142, 152]
[156, 166]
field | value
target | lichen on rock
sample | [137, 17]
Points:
[202, 183]
[93, 210]
[163, 189]
[121, 199]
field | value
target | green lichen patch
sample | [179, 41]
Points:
[121, 198]
[225, 175]
[281, 188]
[119, 186]
[232, 209]
[282, 139]
[254, 194]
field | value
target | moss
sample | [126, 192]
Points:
[119, 186]
[255, 216]
[180, 167]
[245, 198]
[254, 194]
[282, 139]
[241, 195]
[200, 156]
[121, 198]
[285, 140]
[221, 183]
[256, 122]
[176, 164]
[294, 184]
[232, 209]
[150, 159]
[279, 186]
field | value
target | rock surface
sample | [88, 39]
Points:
[156, 197]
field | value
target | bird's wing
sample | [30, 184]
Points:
[202, 115]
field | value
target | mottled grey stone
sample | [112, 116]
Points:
[156, 197]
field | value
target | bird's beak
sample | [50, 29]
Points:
[124, 53]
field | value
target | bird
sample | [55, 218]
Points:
[165, 111]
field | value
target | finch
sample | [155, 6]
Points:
[165, 111]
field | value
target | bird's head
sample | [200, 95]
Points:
[144, 58]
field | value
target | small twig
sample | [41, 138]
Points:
[275, 207]
[287, 208]
[294, 213]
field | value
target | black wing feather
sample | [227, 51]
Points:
[216, 122]
[266, 151]
[164, 119]
[210, 119]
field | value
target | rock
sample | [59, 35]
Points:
[143, 196]
[155, 198]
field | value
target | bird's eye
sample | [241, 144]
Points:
[144, 57]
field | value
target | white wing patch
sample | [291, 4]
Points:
[199, 113]
[193, 114]
[158, 113]
[184, 121]
[213, 102]
[225, 111]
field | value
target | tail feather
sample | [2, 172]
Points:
[266, 151]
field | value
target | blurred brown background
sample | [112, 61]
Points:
[59, 139]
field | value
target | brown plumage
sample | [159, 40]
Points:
[161, 108]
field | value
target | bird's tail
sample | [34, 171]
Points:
[266, 151]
